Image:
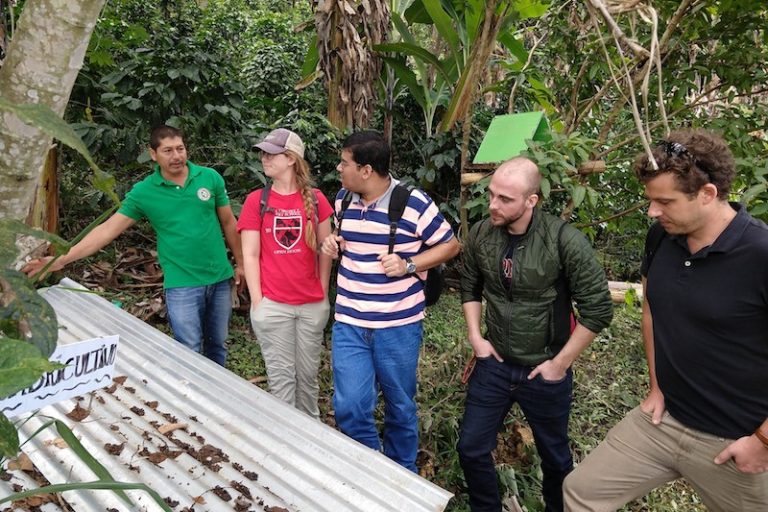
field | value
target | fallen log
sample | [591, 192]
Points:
[619, 289]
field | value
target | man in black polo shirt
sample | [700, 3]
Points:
[705, 329]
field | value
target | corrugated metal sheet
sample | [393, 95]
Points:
[243, 449]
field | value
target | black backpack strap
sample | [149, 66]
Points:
[263, 202]
[397, 203]
[345, 202]
[653, 240]
[398, 200]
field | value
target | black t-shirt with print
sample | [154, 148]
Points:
[506, 262]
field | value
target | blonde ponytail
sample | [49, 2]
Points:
[306, 185]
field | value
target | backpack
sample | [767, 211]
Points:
[435, 282]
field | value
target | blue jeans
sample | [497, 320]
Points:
[199, 317]
[493, 389]
[364, 361]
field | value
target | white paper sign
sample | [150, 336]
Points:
[90, 365]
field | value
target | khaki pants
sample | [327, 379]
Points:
[291, 339]
[638, 456]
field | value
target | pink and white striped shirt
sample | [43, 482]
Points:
[366, 297]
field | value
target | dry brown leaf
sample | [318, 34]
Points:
[156, 304]
[339, 24]
[58, 443]
[114, 449]
[78, 413]
[157, 457]
[153, 271]
[525, 433]
[22, 462]
[199, 500]
[34, 501]
[170, 427]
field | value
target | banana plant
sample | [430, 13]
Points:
[447, 73]
[429, 83]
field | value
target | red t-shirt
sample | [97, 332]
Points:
[288, 265]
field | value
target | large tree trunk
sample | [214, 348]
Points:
[44, 210]
[43, 61]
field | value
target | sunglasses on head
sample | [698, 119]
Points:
[678, 150]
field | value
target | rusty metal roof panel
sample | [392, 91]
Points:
[240, 448]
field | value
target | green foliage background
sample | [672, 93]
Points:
[225, 74]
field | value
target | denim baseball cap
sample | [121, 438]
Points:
[280, 140]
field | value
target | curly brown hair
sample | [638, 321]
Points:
[695, 157]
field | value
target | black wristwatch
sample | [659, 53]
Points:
[410, 266]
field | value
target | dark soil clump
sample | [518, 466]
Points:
[242, 489]
[222, 493]
[250, 475]
[114, 449]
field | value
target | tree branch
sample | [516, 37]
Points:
[616, 30]
[614, 216]
[511, 102]
[572, 113]
[674, 21]
[693, 104]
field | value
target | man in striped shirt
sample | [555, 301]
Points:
[380, 298]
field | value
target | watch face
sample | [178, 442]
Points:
[410, 266]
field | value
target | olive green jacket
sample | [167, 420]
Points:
[530, 323]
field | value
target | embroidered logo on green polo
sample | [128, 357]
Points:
[203, 194]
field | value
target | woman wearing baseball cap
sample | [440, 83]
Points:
[287, 277]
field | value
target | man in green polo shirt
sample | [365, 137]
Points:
[188, 207]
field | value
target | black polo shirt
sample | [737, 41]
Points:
[710, 327]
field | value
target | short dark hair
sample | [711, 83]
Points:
[161, 132]
[695, 158]
[369, 148]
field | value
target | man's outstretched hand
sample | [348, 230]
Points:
[35, 266]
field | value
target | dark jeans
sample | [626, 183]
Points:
[493, 389]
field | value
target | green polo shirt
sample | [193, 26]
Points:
[190, 242]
